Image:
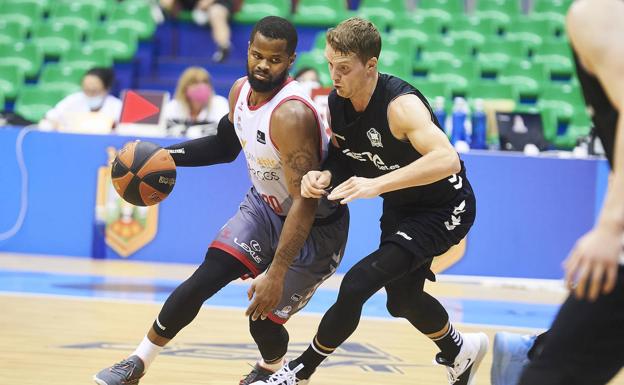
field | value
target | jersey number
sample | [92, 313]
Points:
[272, 201]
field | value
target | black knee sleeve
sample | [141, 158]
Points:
[218, 269]
[271, 338]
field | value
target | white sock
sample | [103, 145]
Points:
[274, 367]
[147, 351]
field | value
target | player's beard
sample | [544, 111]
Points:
[266, 85]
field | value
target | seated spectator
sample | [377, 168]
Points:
[195, 109]
[214, 12]
[308, 77]
[93, 110]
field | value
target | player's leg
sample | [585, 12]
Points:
[461, 353]
[230, 256]
[317, 261]
[180, 308]
[361, 281]
[585, 344]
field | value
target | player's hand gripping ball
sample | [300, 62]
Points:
[143, 173]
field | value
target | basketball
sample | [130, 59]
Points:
[143, 173]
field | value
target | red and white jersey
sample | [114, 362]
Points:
[253, 127]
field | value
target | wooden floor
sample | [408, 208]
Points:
[60, 340]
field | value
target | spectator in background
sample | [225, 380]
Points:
[213, 12]
[308, 77]
[93, 110]
[195, 110]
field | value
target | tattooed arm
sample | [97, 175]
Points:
[295, 132]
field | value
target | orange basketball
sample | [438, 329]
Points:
[143, 173]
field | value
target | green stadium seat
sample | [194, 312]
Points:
[496, 53]
[430, 25]
[80, 14]
[452, 6]
[556, 19]
[11, 80]
[319, 40]
[11, 31]
[381, 18]
[24, 12]
[61, 77]
[319, 13]
[54, 38]
[316, 60]
[485, 27]
[120, 41]
[510, 7]
[468, 69]
[254, 10]
[500, 18]
[457, 84]
[26, 56]
[406, 37]
[405, 46]
[395, 63]
[1, 101]
[526, 78]
[33, 102]
[562, 100]
[472, 38]
[556, 56]
[86, 57]
[555, 6]
[135, 16]
[431, 89]
[485, 89]
[43, 4]
[434, 13]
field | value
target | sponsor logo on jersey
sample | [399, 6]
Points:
[374, 158]
[260, 137]
[264, 175]
[404, 235]
[375, 137]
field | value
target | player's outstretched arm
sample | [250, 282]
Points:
[596, 32]
[409, 119]
[223, 147]
[296, 134]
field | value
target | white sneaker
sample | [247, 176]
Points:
[462, 371]
[284, 376]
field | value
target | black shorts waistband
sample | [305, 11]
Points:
[328, 220]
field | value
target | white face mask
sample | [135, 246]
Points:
[95, 102]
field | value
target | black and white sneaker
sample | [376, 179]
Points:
[258, 373]
[463, 369]
[125, 372]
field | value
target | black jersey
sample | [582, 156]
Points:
[366, 140]
[603, 113]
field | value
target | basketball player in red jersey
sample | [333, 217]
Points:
[275, 124]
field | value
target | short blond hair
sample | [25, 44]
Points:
[190, 76]
[355, 35]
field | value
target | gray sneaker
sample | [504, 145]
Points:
[125, 372]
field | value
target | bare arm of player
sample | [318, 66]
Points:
[295, 131]
[223, 147]
[409, 119]
[596, 32]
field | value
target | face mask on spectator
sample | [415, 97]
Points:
[95, 102]
[199, 93]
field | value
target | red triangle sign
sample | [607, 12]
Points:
[137, 108]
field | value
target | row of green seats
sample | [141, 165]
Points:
[77, 17]
[120, 44]
[392, 12]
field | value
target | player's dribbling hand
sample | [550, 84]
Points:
[314, 183]
[593, 262]
[353, 188]
[266, 292]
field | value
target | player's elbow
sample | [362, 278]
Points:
[454, 165]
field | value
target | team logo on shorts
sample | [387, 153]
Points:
[375, 137]
[260, 137]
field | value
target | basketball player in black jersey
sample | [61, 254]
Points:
[585, 345]
[387, 142]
